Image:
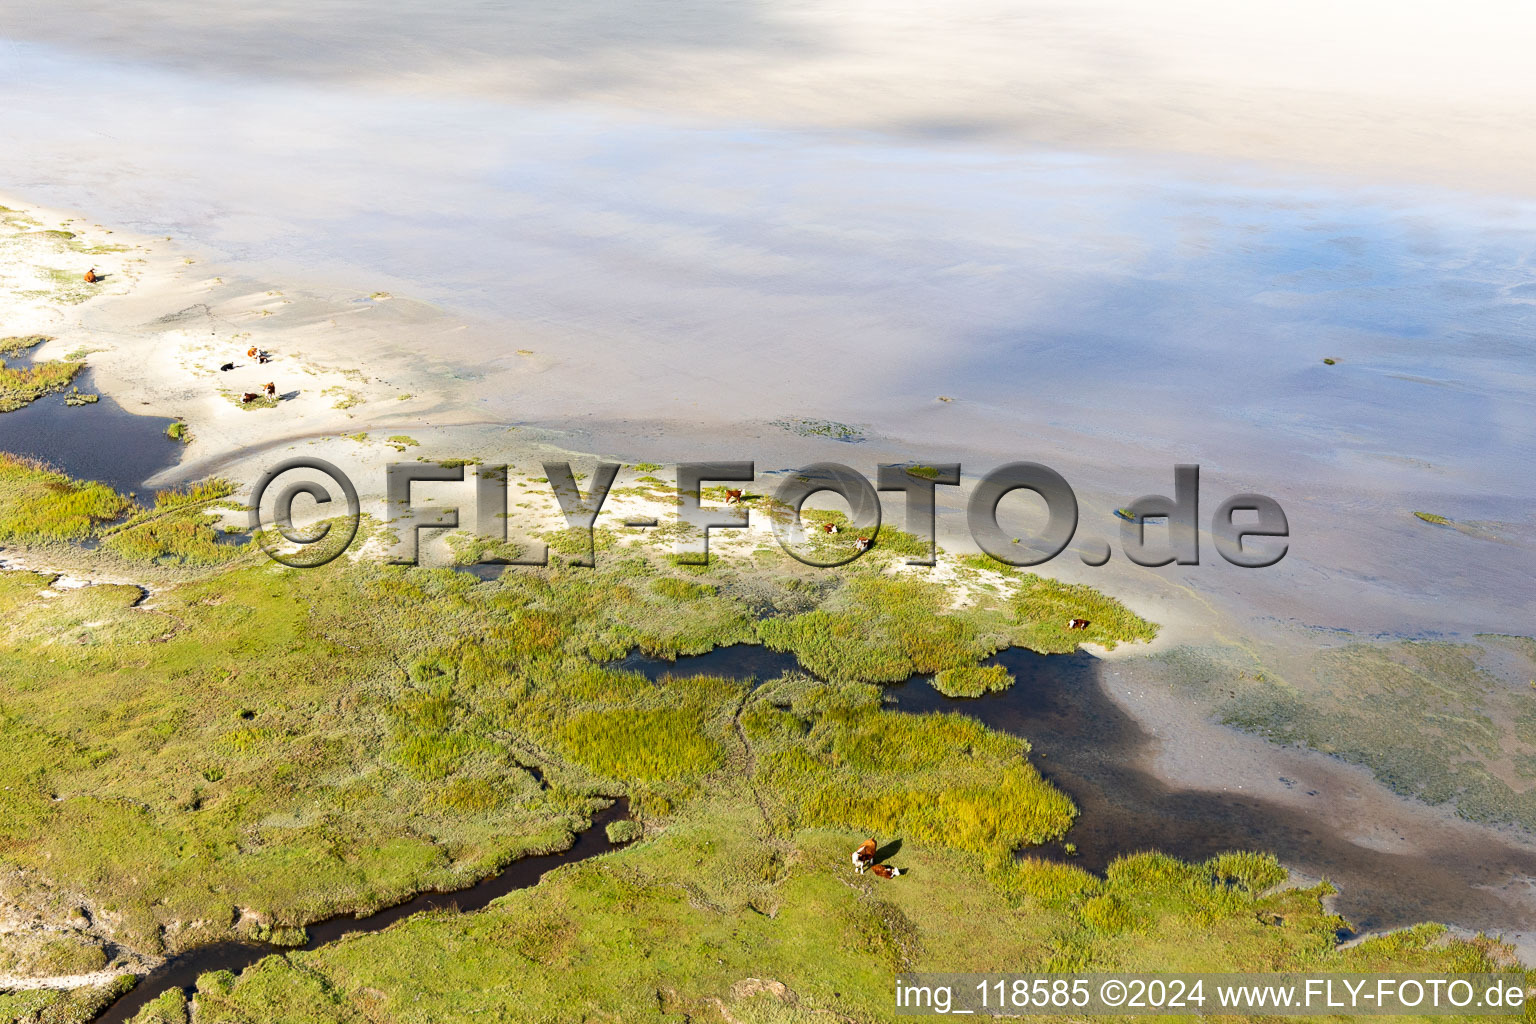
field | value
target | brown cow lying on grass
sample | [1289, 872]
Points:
[864, 860]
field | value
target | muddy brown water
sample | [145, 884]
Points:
[182, 971]
[1085, 744]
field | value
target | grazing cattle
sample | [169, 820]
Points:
[886, 872]
[248, 398]
[270, 388]
[733, 496]
[227, 366]
[1077, 623]
[829, 527]
[864, 856]
[862, 544]
[90, 276]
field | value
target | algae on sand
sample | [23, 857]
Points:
[1444, 722]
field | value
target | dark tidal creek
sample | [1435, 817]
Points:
[1086, 745]
[182, 971]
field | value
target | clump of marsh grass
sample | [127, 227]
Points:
[39, 504]
[20, 386]
[879, 630]
[176, 530]
[472, 549]
[821, 428]
[1042, 607]
[261, 401]
[972, 680]
[18, 346]
[624, 831]
[831, 755]
[344, 398]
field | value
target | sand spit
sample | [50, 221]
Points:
[157, 330]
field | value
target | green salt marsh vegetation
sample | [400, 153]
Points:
[19, 346]
[880, 628]
[253, 748]
[718, 919]
[41, 507]
[22, 385]
[972, 680]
